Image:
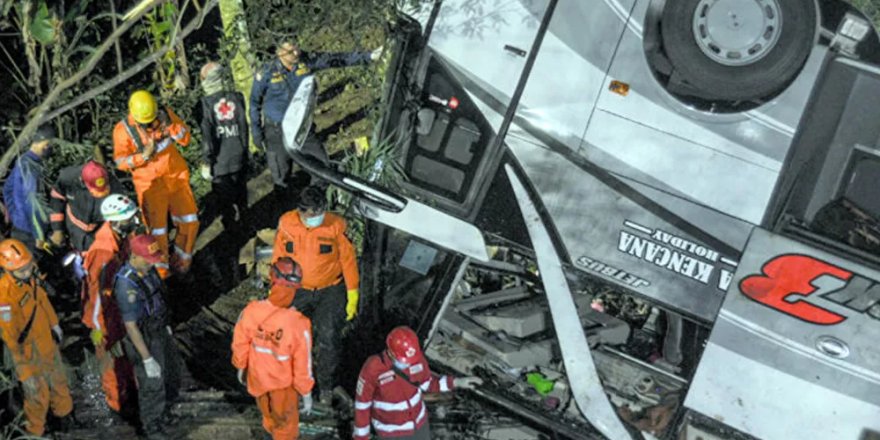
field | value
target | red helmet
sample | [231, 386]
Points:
[403, 345]
[14, 254]
[286, 272]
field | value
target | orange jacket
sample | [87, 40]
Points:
[275, 345]
[166, 161]
[324, 253]
[18, 301]
[102, 261]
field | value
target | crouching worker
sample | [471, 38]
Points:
[29, 327]
[149, 344]
[390, 386]
[271, 348]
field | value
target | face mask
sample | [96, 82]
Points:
[400, 365]
[314, 222]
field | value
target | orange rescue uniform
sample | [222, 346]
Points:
[161, 183]
[324, 253]
[274, 344]
[36, 356]
[103, 259]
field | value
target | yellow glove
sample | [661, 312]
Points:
[97, 337]
[351, 307]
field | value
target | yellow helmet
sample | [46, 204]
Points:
[142, 107]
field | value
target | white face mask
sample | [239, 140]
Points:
[400, 365]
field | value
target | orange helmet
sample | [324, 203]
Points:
[286, 272]
[14, 254]
[403, 344]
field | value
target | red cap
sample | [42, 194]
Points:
[95, 177]
[147, 247]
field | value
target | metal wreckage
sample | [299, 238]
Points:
[636, 218]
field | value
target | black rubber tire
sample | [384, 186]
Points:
[760, 80]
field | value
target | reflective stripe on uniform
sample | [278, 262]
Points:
[88, 227]
[425, 385]
[97, 311]
[398, 406]
[189, 218]
[129, 159]
[408, 426]
[57, 195]
[162, 145]
[180, 135]
[363, 405]
[56, 217]
[183, 255]
[444, 384]
[362, 430]
[309, 351]
[159, 231]
[266, 350]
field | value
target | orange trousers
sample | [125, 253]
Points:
[159, 197]
[117, 379]
[51, 393]
[280, 410]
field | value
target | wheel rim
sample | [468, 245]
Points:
[737, 32]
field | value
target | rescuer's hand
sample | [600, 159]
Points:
[116, 350]
[307, 405]
[149, 148]
[351, 307]
[205, 171]
[467, 383]
[57, 238]
[97, 337]
[153, 369]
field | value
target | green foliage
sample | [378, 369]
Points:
[43, 25]
[871, 8]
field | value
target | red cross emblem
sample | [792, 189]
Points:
[225, 110]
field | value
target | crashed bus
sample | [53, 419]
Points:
[636, 215]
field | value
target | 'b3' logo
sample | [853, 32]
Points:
[787, 281]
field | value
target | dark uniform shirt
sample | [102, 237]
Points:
[74, 209]
[274, 85]
[139, 296]
[224, 132]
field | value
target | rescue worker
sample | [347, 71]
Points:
[149, 343]
[390, 386]
[75, 203]
[29, 328]
[101, 313]
[317, 241]
[271, 348]
[25, 193]
[274, 87]
[225, 143]
[143, 144]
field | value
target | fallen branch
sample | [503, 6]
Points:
[194, 24]
[40, 114]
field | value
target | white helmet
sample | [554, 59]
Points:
[117, 208]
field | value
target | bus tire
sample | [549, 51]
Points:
[713, 78]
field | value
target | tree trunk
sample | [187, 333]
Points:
[236, 32]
